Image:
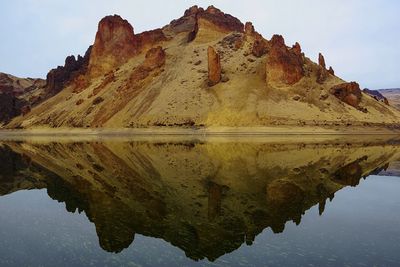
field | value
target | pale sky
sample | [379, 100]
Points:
[359, 38]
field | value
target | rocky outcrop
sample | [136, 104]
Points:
[259, 48]
[331, 71]
[212, 14]
[224, 22]
[147, 39]
[322, 73]
[283, 65]
[60, 77]
[155, 58]
[349, 93]
[214, 67]
[376, 95]
[211, 19]
[260, 45]
[114, 45]
[187, 23]
[296, 48]
[249, 28]
[321, 61]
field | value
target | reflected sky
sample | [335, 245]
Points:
[359, 228]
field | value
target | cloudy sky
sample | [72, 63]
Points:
[359, 38]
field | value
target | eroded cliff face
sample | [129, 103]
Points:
[196, 195]
[244, 80]
[114, 45]
[284, 65]
[57, 79]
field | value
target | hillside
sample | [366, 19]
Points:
[204, 69]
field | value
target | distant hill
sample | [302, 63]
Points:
[393, 95]
[17, 95]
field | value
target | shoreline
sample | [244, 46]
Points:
[211, 131]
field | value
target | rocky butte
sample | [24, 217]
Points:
[204, 69]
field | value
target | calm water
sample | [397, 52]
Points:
[200, 203]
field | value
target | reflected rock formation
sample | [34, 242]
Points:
[207, 198]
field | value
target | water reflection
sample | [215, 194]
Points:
[207, 198]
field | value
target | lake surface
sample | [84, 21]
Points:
[329, 201]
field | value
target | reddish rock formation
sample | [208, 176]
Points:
[283, 65]
[331, 71]
[79, 102]
[349, 93]
[260, 48]
[214, 67]
[277, 41]
[114, 45]
[296, 48]
[260, 45]
[321, 61]
[220, 21]
[249, 28]
[187, 23]
[58, 78]
[155, 58]
[322, 74]
[192, 11]
[223, 21]
[149, 38]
